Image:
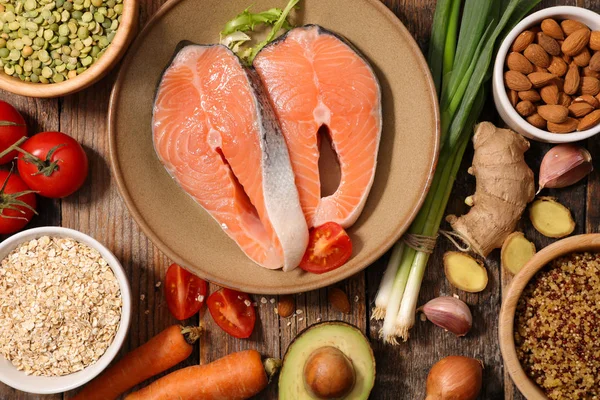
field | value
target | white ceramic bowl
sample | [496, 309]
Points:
[503, 105]
[46, 385]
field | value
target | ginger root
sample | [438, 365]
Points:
[550, 218]
[464, 272]
[516, 251]
[504, 187]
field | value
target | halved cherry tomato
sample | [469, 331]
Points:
[233, 312]
[12, 128]
[329, 247]
[185, 292]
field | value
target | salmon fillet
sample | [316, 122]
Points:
[216, 134]
[315, 79]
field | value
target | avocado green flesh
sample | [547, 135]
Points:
[344, 337]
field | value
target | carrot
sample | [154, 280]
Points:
[160, 353]
[237, 376]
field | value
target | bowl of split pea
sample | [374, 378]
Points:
[52, 48]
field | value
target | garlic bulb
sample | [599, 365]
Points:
[449, 313]
[564, 165]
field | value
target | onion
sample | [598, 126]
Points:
[455, 378]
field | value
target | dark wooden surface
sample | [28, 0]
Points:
[98, 210]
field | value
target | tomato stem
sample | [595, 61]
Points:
[10, 123]
[45, 167]
[11, 201]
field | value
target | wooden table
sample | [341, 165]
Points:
[98, 210]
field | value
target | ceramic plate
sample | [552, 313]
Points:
[184, 231]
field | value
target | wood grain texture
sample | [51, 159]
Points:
[98, 210]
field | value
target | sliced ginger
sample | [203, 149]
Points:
[464, 272]
[516, 251]
[550, 218]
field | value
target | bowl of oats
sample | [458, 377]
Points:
[65, 308]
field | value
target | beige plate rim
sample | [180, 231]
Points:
[328, 279]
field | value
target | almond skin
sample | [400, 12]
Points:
[582, 59]
[551, 28]
[588, 98]
[513, 96]
[522, 41]
[339, 300]
[558, 66]
[595, 40]
[564, 99]
[549, 94]
[553, 113]
[537, 121]
[529, 95]
[537, 55]
[589, 121]
[590, 85]
[570, 125]
[516, 81]
[518, 62]
[594, 63]
[525, 108]
[285, 306]
[549, 44]
[569, 26]
[540, 79]
[578, 110]
[588, 72]
[572, 80]
[576, 42]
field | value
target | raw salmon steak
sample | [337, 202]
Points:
[216, 134]
[315, 79]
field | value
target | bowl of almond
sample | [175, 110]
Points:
[546, 79]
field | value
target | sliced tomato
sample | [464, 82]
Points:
[233, 312]
[185, 292]
[329, 247]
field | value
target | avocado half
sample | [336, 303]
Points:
[346, 338]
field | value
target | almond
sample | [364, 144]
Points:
[339, 300]
[537, 121]
[588, 98]
[560, 84]
[594, 63]
[539, 69]
[576, 42]
[537, 55]
[558, 66]
[529, 95]
[589, 121]
[595, 40]
[564, 99]
[566, 58]
[590, 85]
[582, 59]
[513, 96]
[549, 44]
[525, 108]
[572, 79]
[551, 28]
[588, 72]
[540, 79]
[569, 26]
[516, 81]
[518, 62]
[568, 126]
[549, 94]
[553, 113]
[522, 41]
[579, 110]
[285, 306]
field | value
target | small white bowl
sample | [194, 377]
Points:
[503, 105]
[57, 384]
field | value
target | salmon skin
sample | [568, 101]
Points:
[315, 79]
[216, 134]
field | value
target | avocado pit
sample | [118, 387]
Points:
[329, 374]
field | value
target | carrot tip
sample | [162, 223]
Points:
[191, 333]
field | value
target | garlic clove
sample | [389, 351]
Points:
[449, 313]
[564, 165]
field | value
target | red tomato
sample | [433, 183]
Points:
[233, 312]
[185, 292]
[12, 128]
[56, 165]
[329, 247]
[15, 194]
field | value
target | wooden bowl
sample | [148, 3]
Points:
[95, 72]
[580, 243]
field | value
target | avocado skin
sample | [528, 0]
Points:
[348, 339]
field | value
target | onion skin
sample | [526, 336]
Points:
[564, 165]
[455, 378]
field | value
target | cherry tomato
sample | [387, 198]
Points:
[233, 312]
[185, 292]
[329, 247]
[12, 128]
[55, 166]
[17, 203]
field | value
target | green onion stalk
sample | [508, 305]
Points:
[459, 57]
